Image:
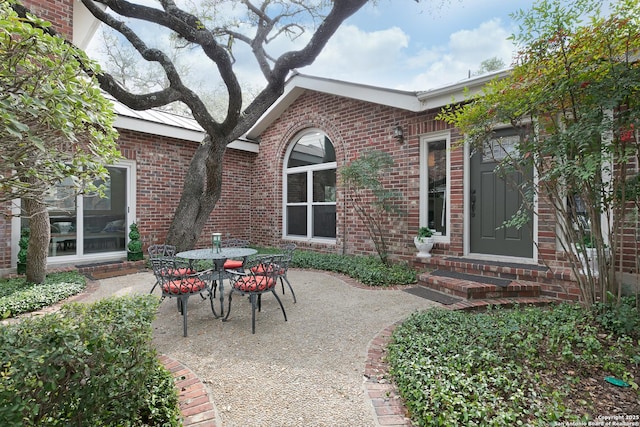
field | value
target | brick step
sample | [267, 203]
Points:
[483, 304]
[474, 287]
[503, 270]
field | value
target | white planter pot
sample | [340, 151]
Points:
[590, 263]
[424, 246]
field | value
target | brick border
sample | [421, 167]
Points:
[388, 406]
[196, 406]
[198, 409]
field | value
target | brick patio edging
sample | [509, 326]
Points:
[198, 410]
[196, 406]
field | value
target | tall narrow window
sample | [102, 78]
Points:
[435, 206]
[437, 185]
[310, 188]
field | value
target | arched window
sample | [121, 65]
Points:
[310, 188]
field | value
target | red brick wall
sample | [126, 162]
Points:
[354, 127]
[161, 165]
[160, 169]
[58, 12]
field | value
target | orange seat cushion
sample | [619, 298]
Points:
[232, 264]
[186, 286]
[254, 284]
[175, 272]
[262, 269]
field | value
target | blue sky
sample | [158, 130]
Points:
[406, 45]
[397, 44]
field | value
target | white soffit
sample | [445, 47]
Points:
[457, 92]
[85, 24]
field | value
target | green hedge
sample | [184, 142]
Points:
[89, 364]
[366, 269]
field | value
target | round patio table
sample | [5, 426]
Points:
[218, 257]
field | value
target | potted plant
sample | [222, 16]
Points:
[424, 242]
[23, 243]
[134, 252]
[587, 253]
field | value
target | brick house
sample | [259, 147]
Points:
[281, 184]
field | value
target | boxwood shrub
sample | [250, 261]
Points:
[89, 364]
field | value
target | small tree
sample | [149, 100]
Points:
[370, 196]
[54, 123]
[575, 93]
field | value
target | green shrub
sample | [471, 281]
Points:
[17, 296]
[366, 269]
[622, 319]
[86, 365]
[495, 369]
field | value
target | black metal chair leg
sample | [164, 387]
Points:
[229, 308]
[284, 279]
[273, 291]
[253, 312]
[184, 314]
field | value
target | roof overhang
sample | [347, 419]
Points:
[300, 83]
[161, 123]
[458, 92]
[85, 24]
[404, 100]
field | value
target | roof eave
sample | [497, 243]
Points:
[300, 83]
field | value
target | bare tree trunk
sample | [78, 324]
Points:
[38, 240]
[201, 191]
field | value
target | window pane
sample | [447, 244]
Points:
[62, 217]
[324, 221]
[324, 186]
[297, 187]
[437, 166]
[105, 224]
[312, 149]
[297, 220]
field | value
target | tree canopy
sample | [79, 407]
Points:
[54, 123]
[574, 92]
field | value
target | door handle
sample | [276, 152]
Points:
[473, 203]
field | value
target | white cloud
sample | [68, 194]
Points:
[359, 56]
[464, 52]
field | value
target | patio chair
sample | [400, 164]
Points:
[180, 283]
[258, 278]
[167, 251]
[232, 264]
[235, 264]
[283, 264]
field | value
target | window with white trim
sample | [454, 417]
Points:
[435, 185]
[310, 188]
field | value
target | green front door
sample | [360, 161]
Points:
[493, 200]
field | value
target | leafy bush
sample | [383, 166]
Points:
[17, 296]
[366, 269]
[622, 319]
[498, 368]
[86, 365]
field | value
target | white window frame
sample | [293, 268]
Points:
[425, 140]
[309, 170]
[79, 256]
